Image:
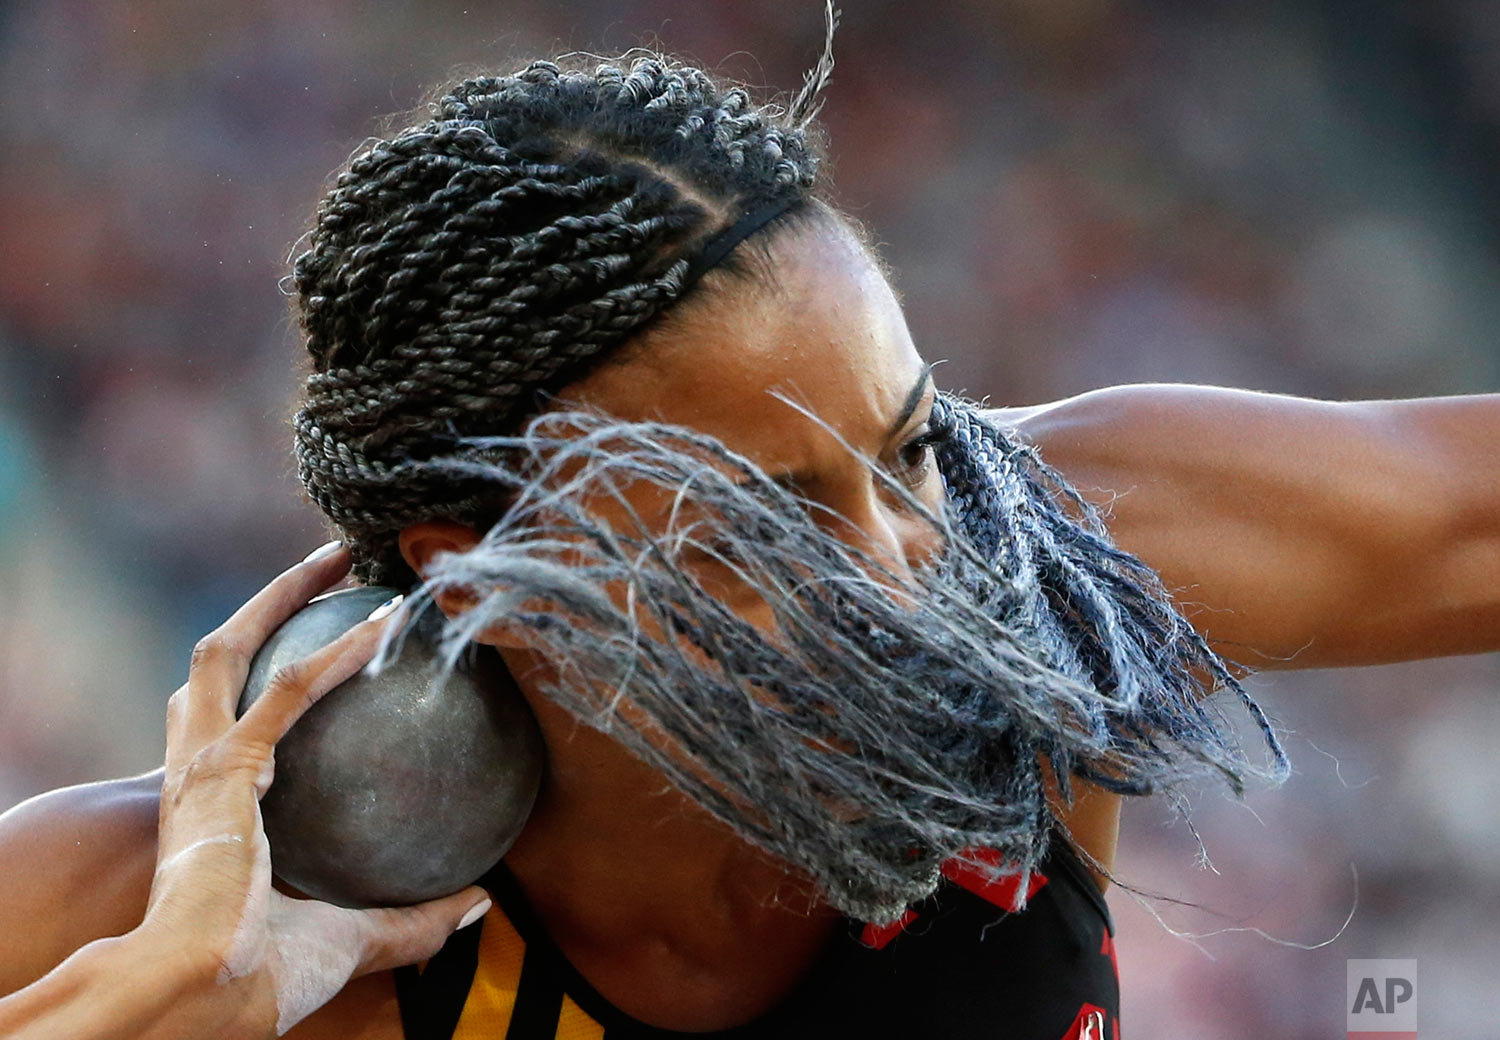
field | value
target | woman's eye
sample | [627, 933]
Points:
[916, 456]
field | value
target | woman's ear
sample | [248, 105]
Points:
[422, 543]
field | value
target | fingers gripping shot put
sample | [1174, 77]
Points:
[219, 951]
[218, 768]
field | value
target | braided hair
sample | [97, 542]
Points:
[471, 264]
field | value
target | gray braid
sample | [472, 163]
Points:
[875, 739]
[496, 252]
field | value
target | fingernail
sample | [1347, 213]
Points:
[385, 608]
[322, 551]
[474, 914]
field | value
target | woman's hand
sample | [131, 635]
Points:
[274, 959]
[220, 952]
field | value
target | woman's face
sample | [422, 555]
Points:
[824, 331]
[827, 333]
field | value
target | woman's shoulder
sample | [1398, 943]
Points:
[77, 863]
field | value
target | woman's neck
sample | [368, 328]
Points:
[612, 848]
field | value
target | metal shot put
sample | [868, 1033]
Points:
[398, 786]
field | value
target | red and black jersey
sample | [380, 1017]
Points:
[962, 963]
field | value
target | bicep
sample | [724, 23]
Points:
[77, 865]
[1292, 532]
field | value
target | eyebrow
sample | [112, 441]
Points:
[794, 481]
[913, 398]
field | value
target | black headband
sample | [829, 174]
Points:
[717, 248]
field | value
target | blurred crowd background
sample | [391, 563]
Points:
[1297, 197]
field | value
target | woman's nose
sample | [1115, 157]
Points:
[897, 539]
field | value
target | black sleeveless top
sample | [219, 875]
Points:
[962, 963]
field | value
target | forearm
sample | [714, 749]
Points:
[124, 988]
[1442, 567]
[1296, 532]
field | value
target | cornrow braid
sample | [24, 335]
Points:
[495, 252]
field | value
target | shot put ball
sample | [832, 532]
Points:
[395, 788]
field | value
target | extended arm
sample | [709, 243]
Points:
[1297, 533]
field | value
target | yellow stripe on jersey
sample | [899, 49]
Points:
[497, 977]
[575, 1024]
[492, 995]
